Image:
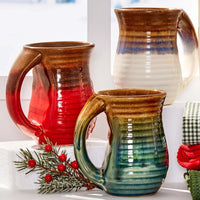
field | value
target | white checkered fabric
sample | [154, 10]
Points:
[191, 123]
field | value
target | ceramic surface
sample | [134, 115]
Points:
[136, 160]
[61, 86]
[147, 55]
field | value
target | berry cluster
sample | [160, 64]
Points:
[61, 167]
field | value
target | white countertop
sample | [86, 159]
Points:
[165, 193]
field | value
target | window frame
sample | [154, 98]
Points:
[98, 32]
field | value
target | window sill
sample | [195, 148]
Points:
[164, 193]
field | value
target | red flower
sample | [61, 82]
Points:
[189, 156]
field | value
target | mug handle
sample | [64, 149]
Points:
[190, 46]
[92, 108]
[26, 60]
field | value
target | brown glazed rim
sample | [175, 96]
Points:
[132, 93]
[60, 45]
[147, 9]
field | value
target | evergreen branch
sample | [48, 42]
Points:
[89, 185]
[46, 163]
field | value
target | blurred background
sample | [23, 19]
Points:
[28, 21]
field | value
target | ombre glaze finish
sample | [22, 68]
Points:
[147, 54]
[137, 160]
[61, 86]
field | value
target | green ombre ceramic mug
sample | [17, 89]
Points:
[137, 161]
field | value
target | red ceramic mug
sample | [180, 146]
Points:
[61, 86]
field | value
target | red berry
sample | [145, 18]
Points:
[48, 148]
[74, 164]
[48, 178]
[31, 163]
[62, 157]
[61, 167]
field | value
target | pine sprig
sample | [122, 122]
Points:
[55, 175]
[59, 184]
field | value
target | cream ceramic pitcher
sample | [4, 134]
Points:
[147, 55]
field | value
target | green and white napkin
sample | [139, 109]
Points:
[192, 178]
[191, 123]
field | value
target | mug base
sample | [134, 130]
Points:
[131, 194]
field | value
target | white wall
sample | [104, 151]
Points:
[24, 23]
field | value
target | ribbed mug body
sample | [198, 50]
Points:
[138, 160]
[61, 86]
